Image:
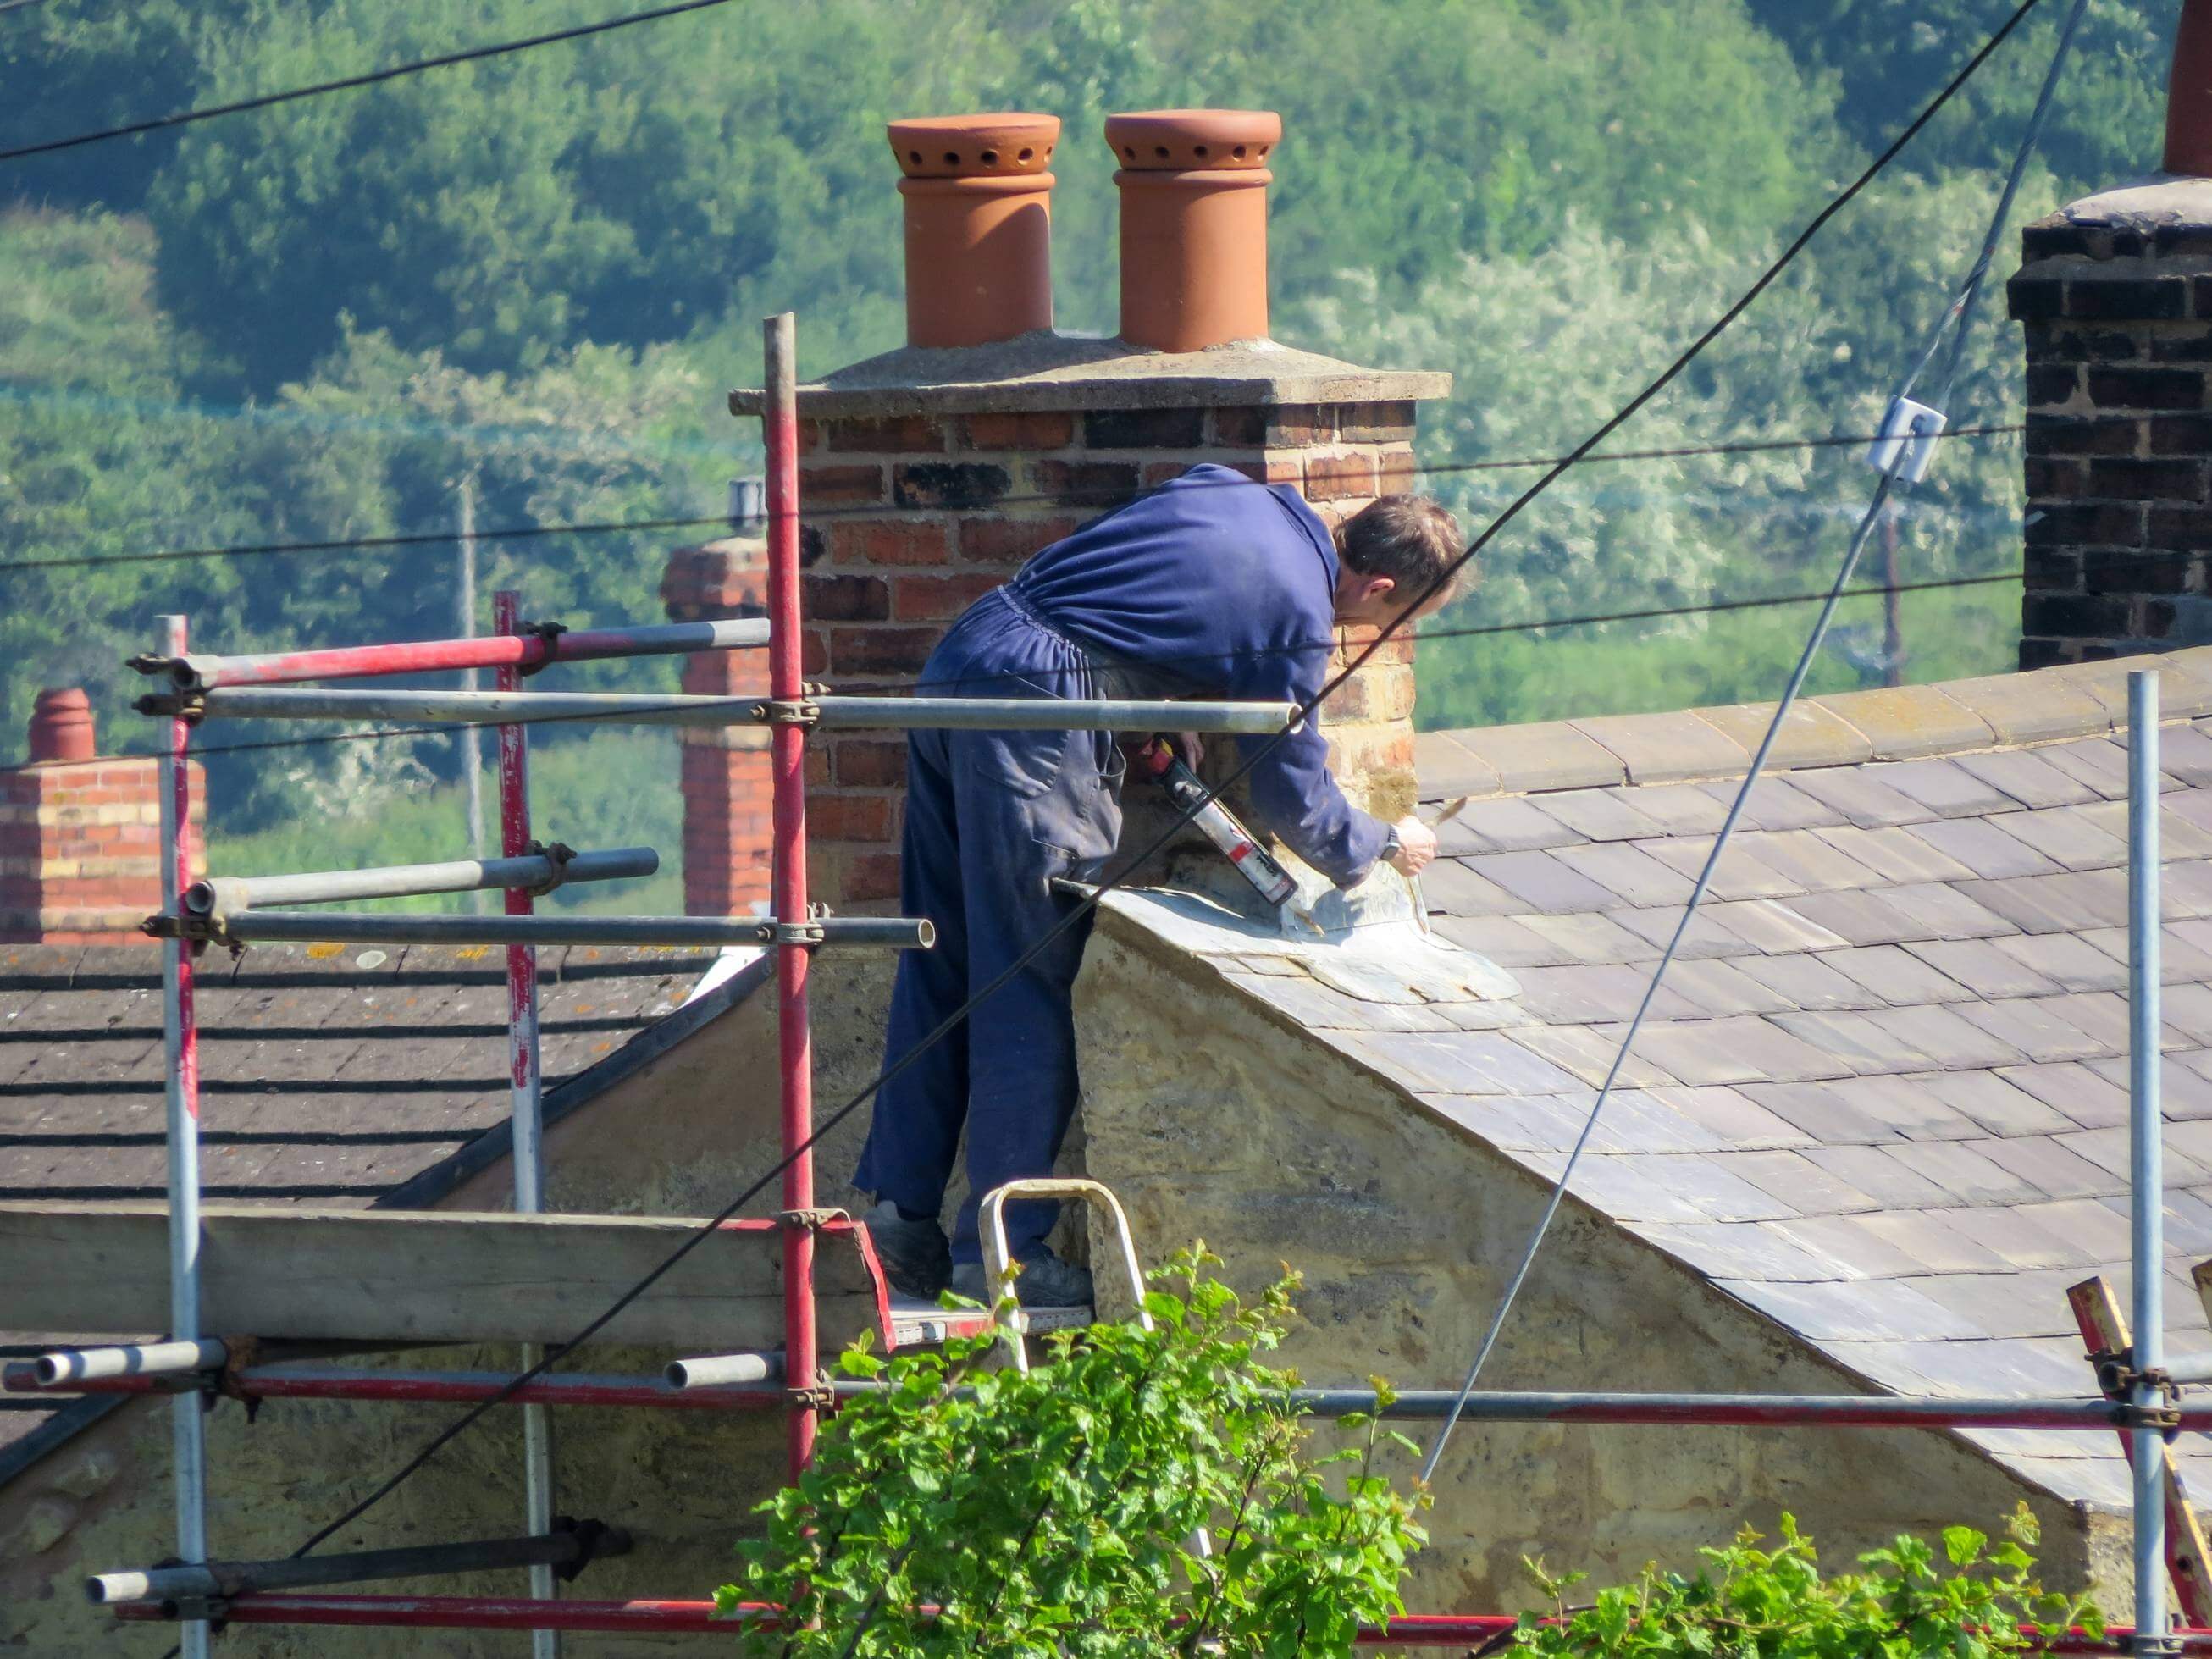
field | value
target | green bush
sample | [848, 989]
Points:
[1749, 1602]
[970, 1510]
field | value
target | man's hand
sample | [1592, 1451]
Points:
[1192, 749]
[1417, 847]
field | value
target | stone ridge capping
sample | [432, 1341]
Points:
[1913, 722]
[1046, 371]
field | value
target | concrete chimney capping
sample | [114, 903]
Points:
[80, 836]
[928, 475]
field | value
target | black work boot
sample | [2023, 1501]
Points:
[917, 1257]
[1041, 1280]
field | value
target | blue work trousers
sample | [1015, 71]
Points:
[992, 818]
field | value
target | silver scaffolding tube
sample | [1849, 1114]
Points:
[228, 895]
[496, 707]
[2145, 1137]
[342, 927]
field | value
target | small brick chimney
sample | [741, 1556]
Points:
[928, 476]
[2115, 294]
[80, 836]
[728, 795]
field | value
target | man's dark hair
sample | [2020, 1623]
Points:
[1412, 539]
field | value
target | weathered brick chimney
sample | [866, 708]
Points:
[80, 836]
[727, 796]
[928, 475]
[2116, 295]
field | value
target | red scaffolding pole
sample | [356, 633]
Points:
[787, 767]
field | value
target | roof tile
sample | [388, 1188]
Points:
[1896, 853]
[1805, 981]
[1548, 754]
[1983, 967]
[1945, 787]
[2027, 777]
[2063, 903]
[1991, 1103]
[1895, 976]
[1862, 800]
[1742, 1050]
[1811, 735]
[1731, 1116]
[1447, 768]
[1666, 748]
[1627, 870]
[1543, 884]
[2088, 1101]
[2066, 836]
[1775, 804]
[1598, 815]
[2027, 1025]
[1907, 720]
[1511, 824]
[2030, 708]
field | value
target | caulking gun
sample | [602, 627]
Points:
[1159, 761]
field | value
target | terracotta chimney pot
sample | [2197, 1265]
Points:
[978, 226]
[61, 726]
[1193, 224]
[2188, 94]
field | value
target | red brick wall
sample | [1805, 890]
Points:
[727, 797]
[2118, 535]
[907, 518]
[80, 850]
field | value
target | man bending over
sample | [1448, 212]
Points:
[1211, 586]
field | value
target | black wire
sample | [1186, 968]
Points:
[1710, 607]
[1090, 902]
[1098, 495]
[187, 117]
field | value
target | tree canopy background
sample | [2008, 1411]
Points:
[540, 272]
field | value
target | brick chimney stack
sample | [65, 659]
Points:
[727, 794]
[81, 837]
[2115, 292]
[928, 476]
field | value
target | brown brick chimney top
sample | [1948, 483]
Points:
[61, 726]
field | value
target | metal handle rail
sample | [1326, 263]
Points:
[647, 708]
[525, 650]
[998, 1266]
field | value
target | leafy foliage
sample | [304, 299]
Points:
[1968, 1601]
[972, 1510]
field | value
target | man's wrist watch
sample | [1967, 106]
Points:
[1392, 846]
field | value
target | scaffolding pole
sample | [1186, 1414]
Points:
[1412, 1630]
[787, 772]
[525, 1096]
[2146, 1143]
[345, 927]
[227, 896]
[676, 708]
[528, 650]
[181, 1040]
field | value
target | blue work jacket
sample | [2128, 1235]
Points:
[1225, 588]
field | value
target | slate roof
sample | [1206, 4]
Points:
[1882, 1098]
[344, 1075]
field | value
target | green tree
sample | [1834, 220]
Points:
[964, 1509]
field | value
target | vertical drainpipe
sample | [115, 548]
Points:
[1193, 186]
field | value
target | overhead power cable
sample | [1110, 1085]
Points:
[1102, 496]
[2114, 565]
[185, 117]
[1077, 912]
[1958, 315]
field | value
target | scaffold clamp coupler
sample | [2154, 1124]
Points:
[813, 1220]
[190, 706]
[593, 1539]
[551, 632]
[192, 1609]
[556, 855]
[819, 1395]
[807, 933]
[787, 711]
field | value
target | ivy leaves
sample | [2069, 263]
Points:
[1138, 1493]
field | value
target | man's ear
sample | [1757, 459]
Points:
[1377, 589]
